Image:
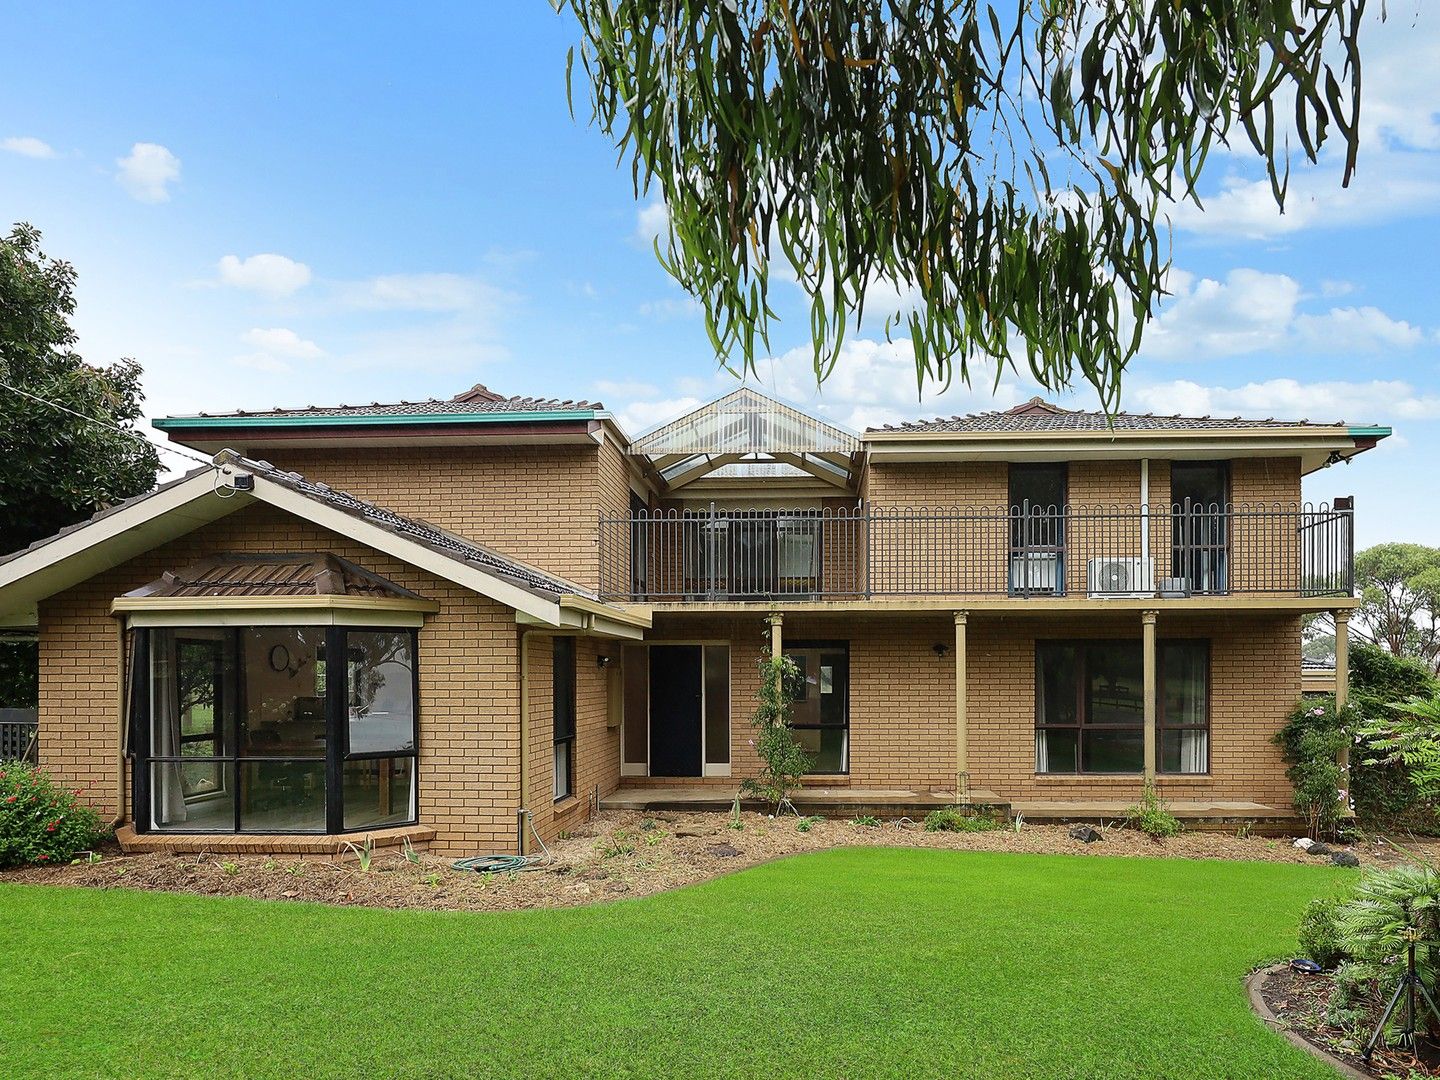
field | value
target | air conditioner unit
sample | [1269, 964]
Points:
[1122, 577]
[1035, 572]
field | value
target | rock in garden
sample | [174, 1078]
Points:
[1344, 858]
[1304, 843]
[724, 851]
[1085, 834]
[1319, 850]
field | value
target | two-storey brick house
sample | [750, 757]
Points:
[535, 612]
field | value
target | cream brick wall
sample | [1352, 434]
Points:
[902, 694]
[468, 771]
[538, 504]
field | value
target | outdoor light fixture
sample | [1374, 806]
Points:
[1336, 458]
[940, 648]
[602, 661]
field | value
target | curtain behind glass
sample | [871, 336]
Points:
[168, 794]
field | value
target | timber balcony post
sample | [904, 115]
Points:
[1147, 626]
[962, 734]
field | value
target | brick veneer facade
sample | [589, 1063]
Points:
[468, 768]
[902, 698]
[540, 504]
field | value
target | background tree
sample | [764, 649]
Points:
[1399, 600]
[1006, 166]
[58, 468]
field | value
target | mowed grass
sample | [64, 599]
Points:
[850, 963]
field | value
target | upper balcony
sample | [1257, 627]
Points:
[861, 552]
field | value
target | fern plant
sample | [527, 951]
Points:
[1392, 910]
[1409, 736]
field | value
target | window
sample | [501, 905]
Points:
[260, 729]
[563, 709]
[1090, 707]
[1037, 528]
[820, 703]
[1184, 716]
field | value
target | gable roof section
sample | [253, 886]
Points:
[745, 436]
[745, 421]
[207, 494]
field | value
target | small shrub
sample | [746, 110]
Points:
[620, 843]
[40, 821]
[959, 819]
[364, 853]
[805, 824]
[407, 849]
[1152, 817]
[784, 760]
[231, 868]
[1311, 741]
[868, 821]
[1319, 935]
[1346, 1006]
[655, 837]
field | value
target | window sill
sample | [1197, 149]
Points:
[565, 805]
[1161, 779]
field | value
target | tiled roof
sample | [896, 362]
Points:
[478, 400]
[301, 574]
[421, 532]
[1042, 416]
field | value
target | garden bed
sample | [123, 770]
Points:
[618, 854]
[1298, 1004]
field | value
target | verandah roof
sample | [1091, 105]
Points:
[747, 434]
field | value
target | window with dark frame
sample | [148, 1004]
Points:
[563, 708]
[1090, 711]
[820, 703]
[1038, 494]
[260, 729]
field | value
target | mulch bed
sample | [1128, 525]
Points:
[619, 854]
[1298, 1002]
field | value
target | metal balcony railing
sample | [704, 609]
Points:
[859, 551]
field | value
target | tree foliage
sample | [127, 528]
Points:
[58, 467]
[1400, 600]
[1006, 167]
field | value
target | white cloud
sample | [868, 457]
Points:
[652, 221]
[670, 307]
[1252, 311]
[263, 361]
[1402, 96]
[1379, 400]
[27, 146]
[421, 292]
[638, 417]
[1249, 311]
[268, 274]
[279, 341]
[1364, 329]
[148, 171]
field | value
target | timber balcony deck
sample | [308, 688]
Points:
[861, 552]
[893, 803]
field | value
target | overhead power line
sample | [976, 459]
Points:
[110, 424]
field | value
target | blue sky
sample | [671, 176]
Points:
[297, 204]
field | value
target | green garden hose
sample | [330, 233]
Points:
[506, 864]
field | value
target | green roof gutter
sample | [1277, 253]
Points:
[1368, 432]
[181, 423]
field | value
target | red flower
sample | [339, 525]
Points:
[43, 858]
[50, 827]
[10, 799]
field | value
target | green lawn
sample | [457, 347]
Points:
[850, 963]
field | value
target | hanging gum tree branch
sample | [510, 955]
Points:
[1006, 165]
